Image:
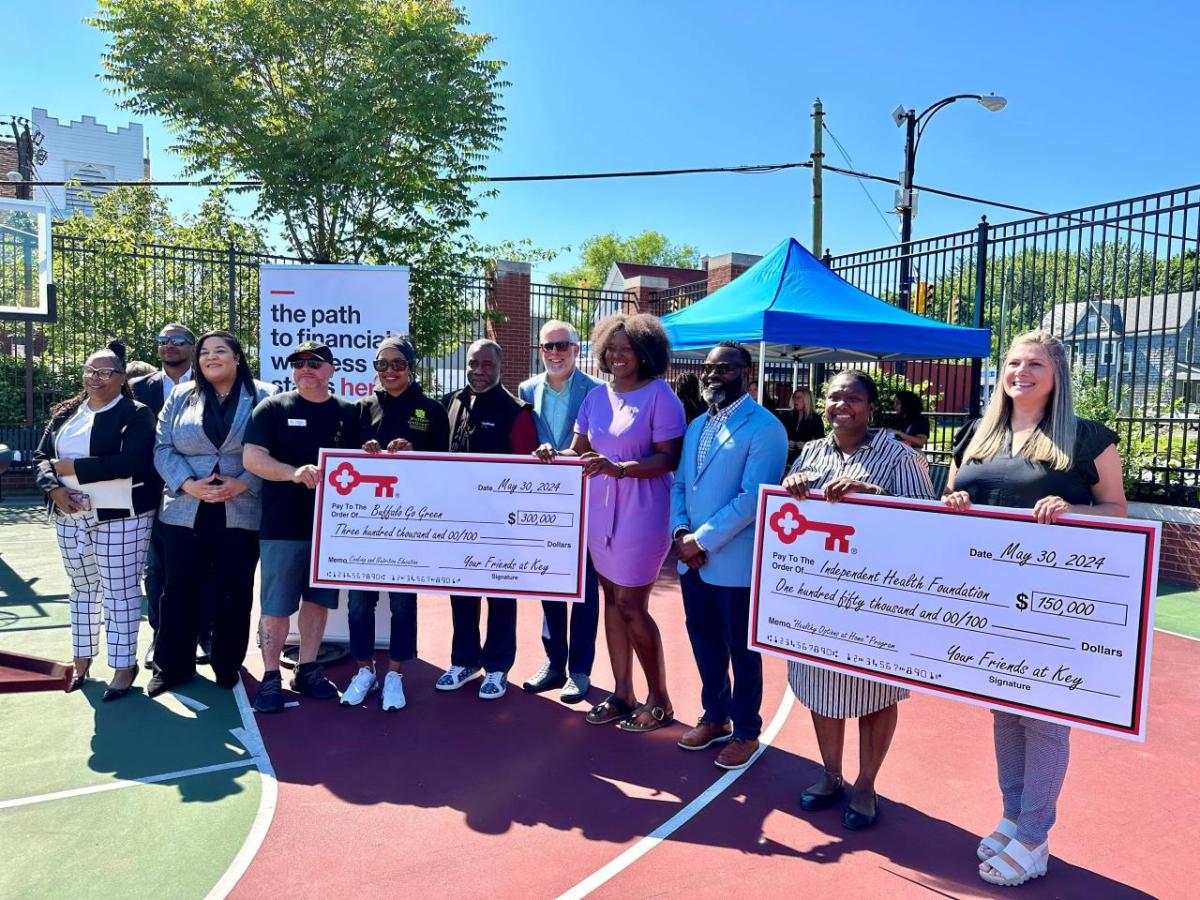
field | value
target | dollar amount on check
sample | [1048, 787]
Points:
[1050, 621]
[509, 526]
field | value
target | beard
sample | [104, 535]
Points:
[713, 396]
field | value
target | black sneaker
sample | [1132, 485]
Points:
[269, 698]
[310, 681]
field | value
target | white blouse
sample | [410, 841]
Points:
[74, 439]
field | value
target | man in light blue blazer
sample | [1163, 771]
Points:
[727, 454]
[556, 396]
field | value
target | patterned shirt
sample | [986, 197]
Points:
[882, 461]
[712, 427]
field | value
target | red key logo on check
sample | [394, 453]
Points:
[789, 524]
[346, 478]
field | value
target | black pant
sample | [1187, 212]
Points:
[156, 574]
[500, 650]
[206, 564]
[577, 656]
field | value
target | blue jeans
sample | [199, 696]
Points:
[717, 623]
[578, 656]
[402, 641]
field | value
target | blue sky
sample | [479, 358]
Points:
[1102, 105]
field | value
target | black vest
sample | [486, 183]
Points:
[486, 425]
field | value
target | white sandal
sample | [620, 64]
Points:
[990, 846]
[1032, 864]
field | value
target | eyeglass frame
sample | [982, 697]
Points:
[707, 369]
[104, 374]
[174, 340]
[560, 346]
[396, 365]
[309, 362]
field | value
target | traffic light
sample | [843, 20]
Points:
[921, 298]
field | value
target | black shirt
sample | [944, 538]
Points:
[913, 426]
[1005, 480]
[413, 416]
[293, 430]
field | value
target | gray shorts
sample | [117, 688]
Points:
[285, 579]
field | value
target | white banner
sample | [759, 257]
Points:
[988, 607]
[349, 308]
[450, 523]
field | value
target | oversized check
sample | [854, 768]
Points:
[989, 607]
[448, 523]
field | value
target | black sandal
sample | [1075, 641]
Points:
[608, 710]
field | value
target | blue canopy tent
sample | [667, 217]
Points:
[790, 305]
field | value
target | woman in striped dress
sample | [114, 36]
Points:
[852, 459]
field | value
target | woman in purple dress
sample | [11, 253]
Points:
[629, 436]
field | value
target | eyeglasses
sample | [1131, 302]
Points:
[311, 363]
[102, 374]
[560, 346]
[721, 369]
[174, 340]
[396, 365]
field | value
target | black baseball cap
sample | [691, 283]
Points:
[312, 348]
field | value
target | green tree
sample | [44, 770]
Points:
[367, 122]
[599, 252]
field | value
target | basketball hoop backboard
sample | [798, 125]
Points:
[24, 259]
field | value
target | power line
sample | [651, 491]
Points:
[850, 162]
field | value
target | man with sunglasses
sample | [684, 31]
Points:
[727, 454]
[556, 396]
[176, 346]
[282, 446]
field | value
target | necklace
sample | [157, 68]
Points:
[221, 396]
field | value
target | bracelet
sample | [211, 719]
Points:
[620, 470]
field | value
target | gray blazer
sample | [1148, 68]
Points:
[182, 450]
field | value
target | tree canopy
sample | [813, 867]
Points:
[599, 252]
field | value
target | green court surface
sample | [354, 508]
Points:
[1178, 610]
[102, 799]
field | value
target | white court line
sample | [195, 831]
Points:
[189, 702]
[1186, 637]
[127, 783]
[673, 824]
[268, 797]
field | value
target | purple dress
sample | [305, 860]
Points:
[629, 518]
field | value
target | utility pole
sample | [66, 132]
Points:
[24, 142]
[818, 195]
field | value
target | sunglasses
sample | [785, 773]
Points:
[721, 369]
[299, 364]
[173, 340]
[560, 346]
[396, 365]
[102, 374]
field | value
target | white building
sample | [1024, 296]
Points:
[87, 151]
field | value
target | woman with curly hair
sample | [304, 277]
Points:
[101, 435]
[629, 436]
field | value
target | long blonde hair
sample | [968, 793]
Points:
[1053, 441]
[810, 408]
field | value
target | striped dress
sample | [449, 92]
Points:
[900, 471]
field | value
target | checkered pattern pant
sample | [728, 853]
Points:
[104, 561]
[1031, 761]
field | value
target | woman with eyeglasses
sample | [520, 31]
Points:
[629, 435]
[210, 514]
[100, 443]
[397, 417]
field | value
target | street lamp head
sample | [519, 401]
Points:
[992, 103]
[14, 176]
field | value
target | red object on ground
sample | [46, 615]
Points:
[19, 672]
[519, 797]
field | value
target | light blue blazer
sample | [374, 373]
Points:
[182, 450]
[533, 391]
[718, 502]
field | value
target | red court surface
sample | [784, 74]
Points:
[457, 797]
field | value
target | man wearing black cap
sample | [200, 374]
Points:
[281, 446]
[485, 418]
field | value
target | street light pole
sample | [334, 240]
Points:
[914, 126]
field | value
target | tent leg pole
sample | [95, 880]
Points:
[762, 372]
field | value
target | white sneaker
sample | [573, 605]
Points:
[455, 677]
[494, 685]
[363, 683]
[393, 691]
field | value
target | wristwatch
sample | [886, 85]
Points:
[620, 470]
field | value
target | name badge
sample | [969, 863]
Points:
[300, 423]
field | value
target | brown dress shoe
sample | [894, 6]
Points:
[736, 754]
[705, 734]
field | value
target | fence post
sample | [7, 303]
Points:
[509, 296]
[232, 287]
[981, 258]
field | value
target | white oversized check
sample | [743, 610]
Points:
[450, 523]
[989, 607]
